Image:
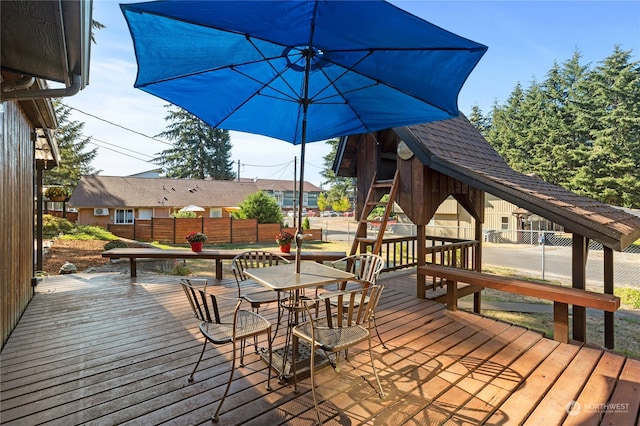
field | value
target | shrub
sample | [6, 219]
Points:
[179, 214]
[115, 244]
[306, 224]
[53, 226]
[260, 206]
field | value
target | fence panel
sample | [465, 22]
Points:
[244, 231]
[143, 230]
[185, 225]
[218, 229]
[267, 232]
[163, 229]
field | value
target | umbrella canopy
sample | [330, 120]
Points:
[299, 70]
[191, 208]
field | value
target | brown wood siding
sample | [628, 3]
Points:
[16, 223]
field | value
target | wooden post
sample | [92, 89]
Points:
[421, 239]
[579, 279]
[561, 322]
[452, 295]
[608, 289]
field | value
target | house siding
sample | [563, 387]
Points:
[16, 224]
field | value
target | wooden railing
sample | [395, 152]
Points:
[401, 252]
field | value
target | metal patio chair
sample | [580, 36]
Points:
[219, 328]
[257, 298]
[334, 327]
[366, 267]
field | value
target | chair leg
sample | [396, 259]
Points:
[375, 325]
[313, 382]
[294, 361]
[215, 417]
[270, 359]
[204, 346]
[375, 372]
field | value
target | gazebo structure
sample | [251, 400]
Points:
[420, 166]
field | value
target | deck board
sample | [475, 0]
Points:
[110, 349]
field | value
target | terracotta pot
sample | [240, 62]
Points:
[196, 246]
[285, 248]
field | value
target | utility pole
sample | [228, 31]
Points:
[238, 170]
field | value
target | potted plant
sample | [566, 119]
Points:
[56, 193]
[196, 239]
[284, 240]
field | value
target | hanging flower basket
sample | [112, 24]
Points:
[56, 193]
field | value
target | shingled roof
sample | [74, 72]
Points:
[120, 191]
[455, 147]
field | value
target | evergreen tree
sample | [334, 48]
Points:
[260, 206]
[340, 186]
[199, 150]
[479, 121]
[75, 158]
[505, 131]
[579, 128]
[611, 170]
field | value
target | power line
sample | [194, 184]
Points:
[117, 146]
[118, 125]
[121, 153]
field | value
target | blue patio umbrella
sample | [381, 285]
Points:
[299, 70]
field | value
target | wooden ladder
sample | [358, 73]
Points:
[377, 189]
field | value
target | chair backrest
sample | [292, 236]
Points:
[203, 304]
[254, 259]
[365, 266]
[349, 308]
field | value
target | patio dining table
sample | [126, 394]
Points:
[284, 278]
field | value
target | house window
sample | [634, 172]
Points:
[123, 216]
[279, 196]
[305, 199]
[145, 213]
[504, 222]
[215, 212]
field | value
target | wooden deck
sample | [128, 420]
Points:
[106, 349]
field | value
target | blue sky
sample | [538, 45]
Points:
[524, 40]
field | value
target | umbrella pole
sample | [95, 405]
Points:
[299, 236]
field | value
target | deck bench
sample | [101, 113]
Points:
[218, 255]
[562, 297]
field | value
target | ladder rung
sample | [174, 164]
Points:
[377, 203]
[381, 185]
[366, 240]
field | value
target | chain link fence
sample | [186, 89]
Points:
[536, 254]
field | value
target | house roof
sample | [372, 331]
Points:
[121, 191]
[455, 147]
[51, 39]
[280, 185]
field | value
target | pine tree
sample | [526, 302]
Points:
[199, 150]
[479, 120]
[75, 159]
[610, 111]
[340, 186]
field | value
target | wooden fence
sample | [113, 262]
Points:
[224, 230]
